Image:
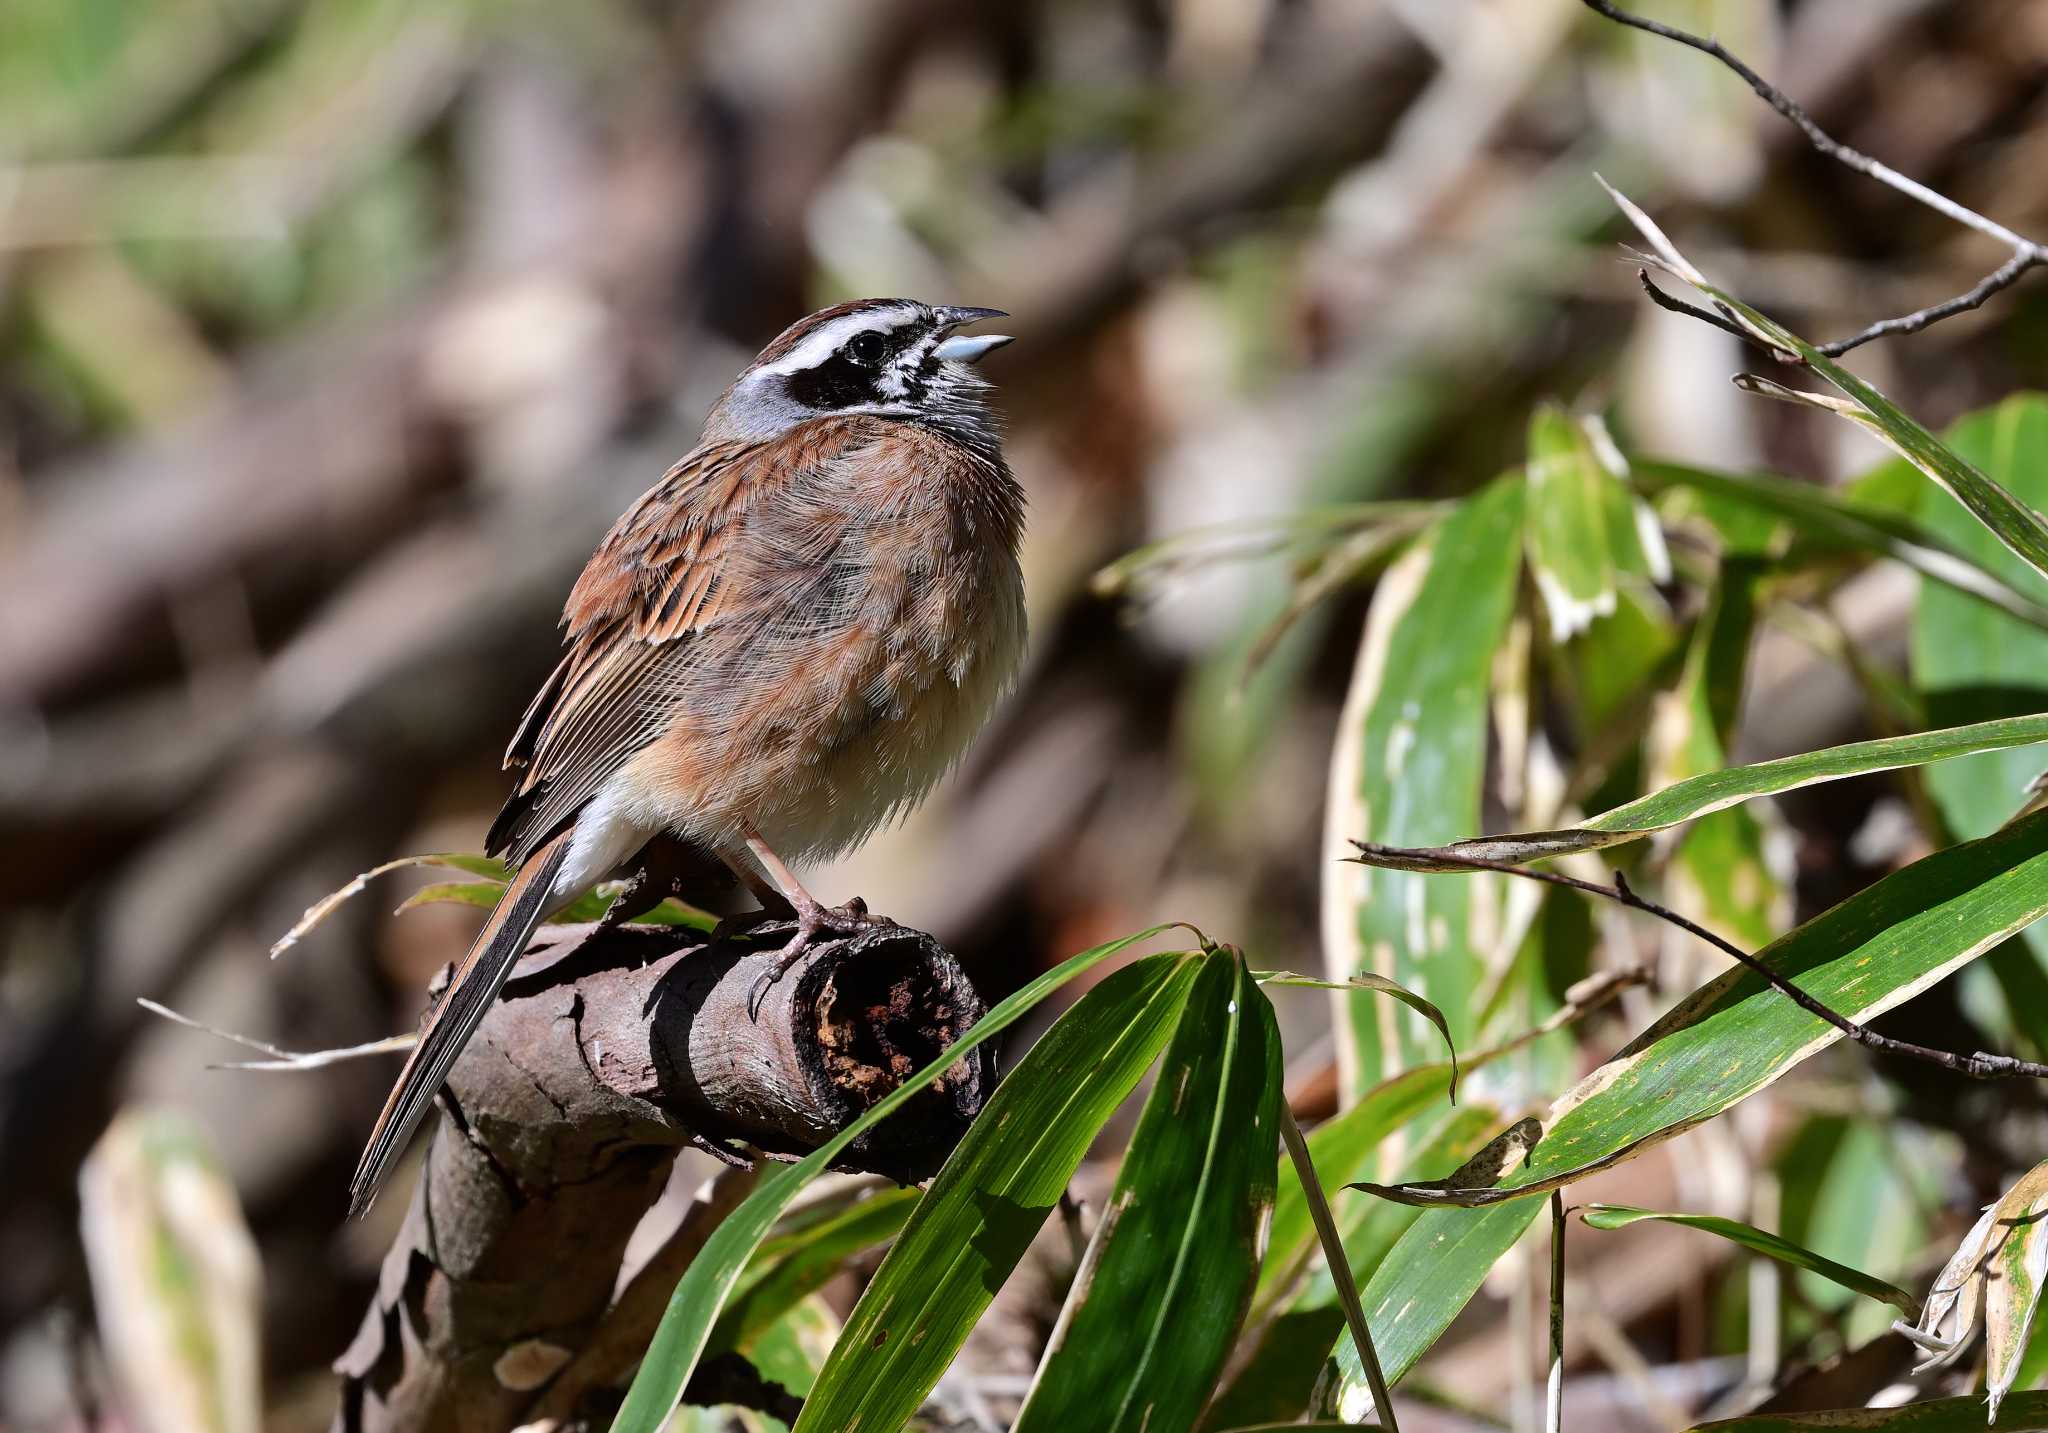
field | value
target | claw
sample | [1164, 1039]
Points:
[813, 921]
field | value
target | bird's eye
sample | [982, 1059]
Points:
[865, 347]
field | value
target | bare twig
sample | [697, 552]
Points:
[1553, 1406]
[1340, 1269]
[1978, 1066]
[1676, 305]
[2026, 254]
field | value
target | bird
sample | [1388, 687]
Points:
[778, 649]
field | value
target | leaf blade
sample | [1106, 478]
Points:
[1177, 1248]
[994, 1192]
[686, 1325]
[1771, 1246]
[1718, 790]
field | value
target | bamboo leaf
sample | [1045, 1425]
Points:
[484, 895]
[1409, 767]
[1343, 1148]
[693, 1309]
[1881, 946]
[2016, 524]
[1276, 1379]
[176, 1281]
[1620, 1216]
[987, 1204]
[1996, 1274]
[1379, 985]
[1970, 663]
[1718, 790]
[1567, 526]
[1934, 550]
[1724, 1042]
[1719, 873]
[1156, 1304]
[783, 1277]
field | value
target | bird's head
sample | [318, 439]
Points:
[893, 358]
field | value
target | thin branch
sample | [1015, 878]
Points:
[280, 1059]
[2003, 277]
[1978, 1066]
[1676, 305]
[1553, 1404]
[1340, 1269]
[2026, 254]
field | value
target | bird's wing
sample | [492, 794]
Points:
[662, 577]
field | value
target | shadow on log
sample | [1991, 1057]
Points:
[610, 1052]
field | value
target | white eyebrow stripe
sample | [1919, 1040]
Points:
[830, 337]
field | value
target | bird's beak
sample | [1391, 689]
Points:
[969, 348]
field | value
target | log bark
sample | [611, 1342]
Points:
[610, 1052]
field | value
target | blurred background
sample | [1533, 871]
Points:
[333, 333]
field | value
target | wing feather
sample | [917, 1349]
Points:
[656, 581]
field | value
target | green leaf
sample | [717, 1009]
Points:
[1719, 874]
[1971, 663]
[590, 906]
[987, 1204]
[1567, 525]
[2013, 522]
[1619, 1216]
[1724, 1042]
[1735, 1035]
[1935, 550]
[1409, 767]
[1855, 1190]
[2024, 1413]
[1718, 790]
[1379, 985]
[1290, 1348]
[1343, 1148]
[1156, 1304]
[701, 1294]
[484, 895]
[790, 1268]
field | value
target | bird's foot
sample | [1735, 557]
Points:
[814, 924]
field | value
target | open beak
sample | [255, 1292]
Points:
[969, 348]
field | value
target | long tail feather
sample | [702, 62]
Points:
[462, 1008]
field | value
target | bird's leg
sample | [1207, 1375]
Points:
[812, 918]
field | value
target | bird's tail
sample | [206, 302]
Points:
[462, 1008]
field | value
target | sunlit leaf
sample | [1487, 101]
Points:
[699, 1298]
[1155, 1307]
[1724, 1042]
[986, 1205]
[1970, 663]
[1620, 1216]
[1409, 768]
[2016, 524]
[1566, 530]
[1718, 790]
[1933, 549]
